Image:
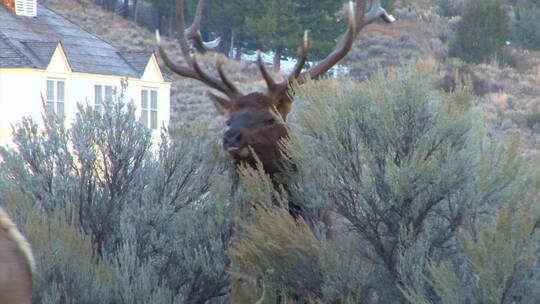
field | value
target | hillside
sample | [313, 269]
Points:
[398, 178]
[506, 94]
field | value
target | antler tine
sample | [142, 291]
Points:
[211, 81]
[377, 11]
[356, 23]
[339, 52]
[196, 25]
[180, 70]
[182, 33]
[234, 91]
[302, 60]
[193, 32]
[360, 14]
[194, 71]
[270, 83]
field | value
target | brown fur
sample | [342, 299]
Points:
[252, 117]
[253, 122]
[16, 264]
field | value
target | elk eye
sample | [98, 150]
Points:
[228, 123]
[271, 121]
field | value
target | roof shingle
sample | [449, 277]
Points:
[30, 42]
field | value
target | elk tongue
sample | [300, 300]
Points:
[232, 149]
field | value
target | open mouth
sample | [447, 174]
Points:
[235, 151]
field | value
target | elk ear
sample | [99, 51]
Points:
[223, 105]
[283, 103]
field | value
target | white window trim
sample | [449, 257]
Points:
[150, 112]
[26, 8]
[58, 106]
[98, 106]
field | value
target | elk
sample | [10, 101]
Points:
[256, 121]
[16, 263]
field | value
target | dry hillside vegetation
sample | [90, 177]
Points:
[506, 95]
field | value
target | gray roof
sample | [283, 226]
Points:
[27, 42]
[137, 60]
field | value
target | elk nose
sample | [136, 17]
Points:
[233, 138]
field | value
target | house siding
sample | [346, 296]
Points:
[50, 47]
[21, 89]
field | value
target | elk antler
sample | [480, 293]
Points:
[193, 32]
[194, 71]
[357, 21]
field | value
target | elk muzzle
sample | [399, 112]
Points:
[233, 142]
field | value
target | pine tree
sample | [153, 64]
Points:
[481, 32]
[526, 24]
[279, 25]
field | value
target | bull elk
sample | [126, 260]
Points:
[257, 119]
[16, 264]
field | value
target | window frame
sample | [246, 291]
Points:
[53, 102]
[149, 107]
[106, 95]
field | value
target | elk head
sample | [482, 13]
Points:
[256, 120]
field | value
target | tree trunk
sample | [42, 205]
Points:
[125, 9]
[238, 53]
[135, 10]
[277, 60]
[231, 47]
[159, 19]
[171, 22]
[227, 43]
[110, 5]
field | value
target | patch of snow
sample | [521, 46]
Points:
[288, 63]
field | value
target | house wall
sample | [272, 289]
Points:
[21, 90]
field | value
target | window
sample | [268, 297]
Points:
[102, 94]
[149, 108]
[56, 97]
[26, 8]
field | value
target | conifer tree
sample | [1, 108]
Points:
[481, 32]
[279, 25]
[526, 24]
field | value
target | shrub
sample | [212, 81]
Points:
[113, 222]
[481, 32]
[501, 258]
[424, 204]
[526, 24]
[451, 8]
[405, 166]
[463, 74]
[532, 120]
[285, 255]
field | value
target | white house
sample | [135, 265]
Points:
[45, 56]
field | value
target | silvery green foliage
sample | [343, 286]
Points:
[405, 165]
[346, 277]
[41, 163]
[111, 148]
[501, 256]
[158, 232]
